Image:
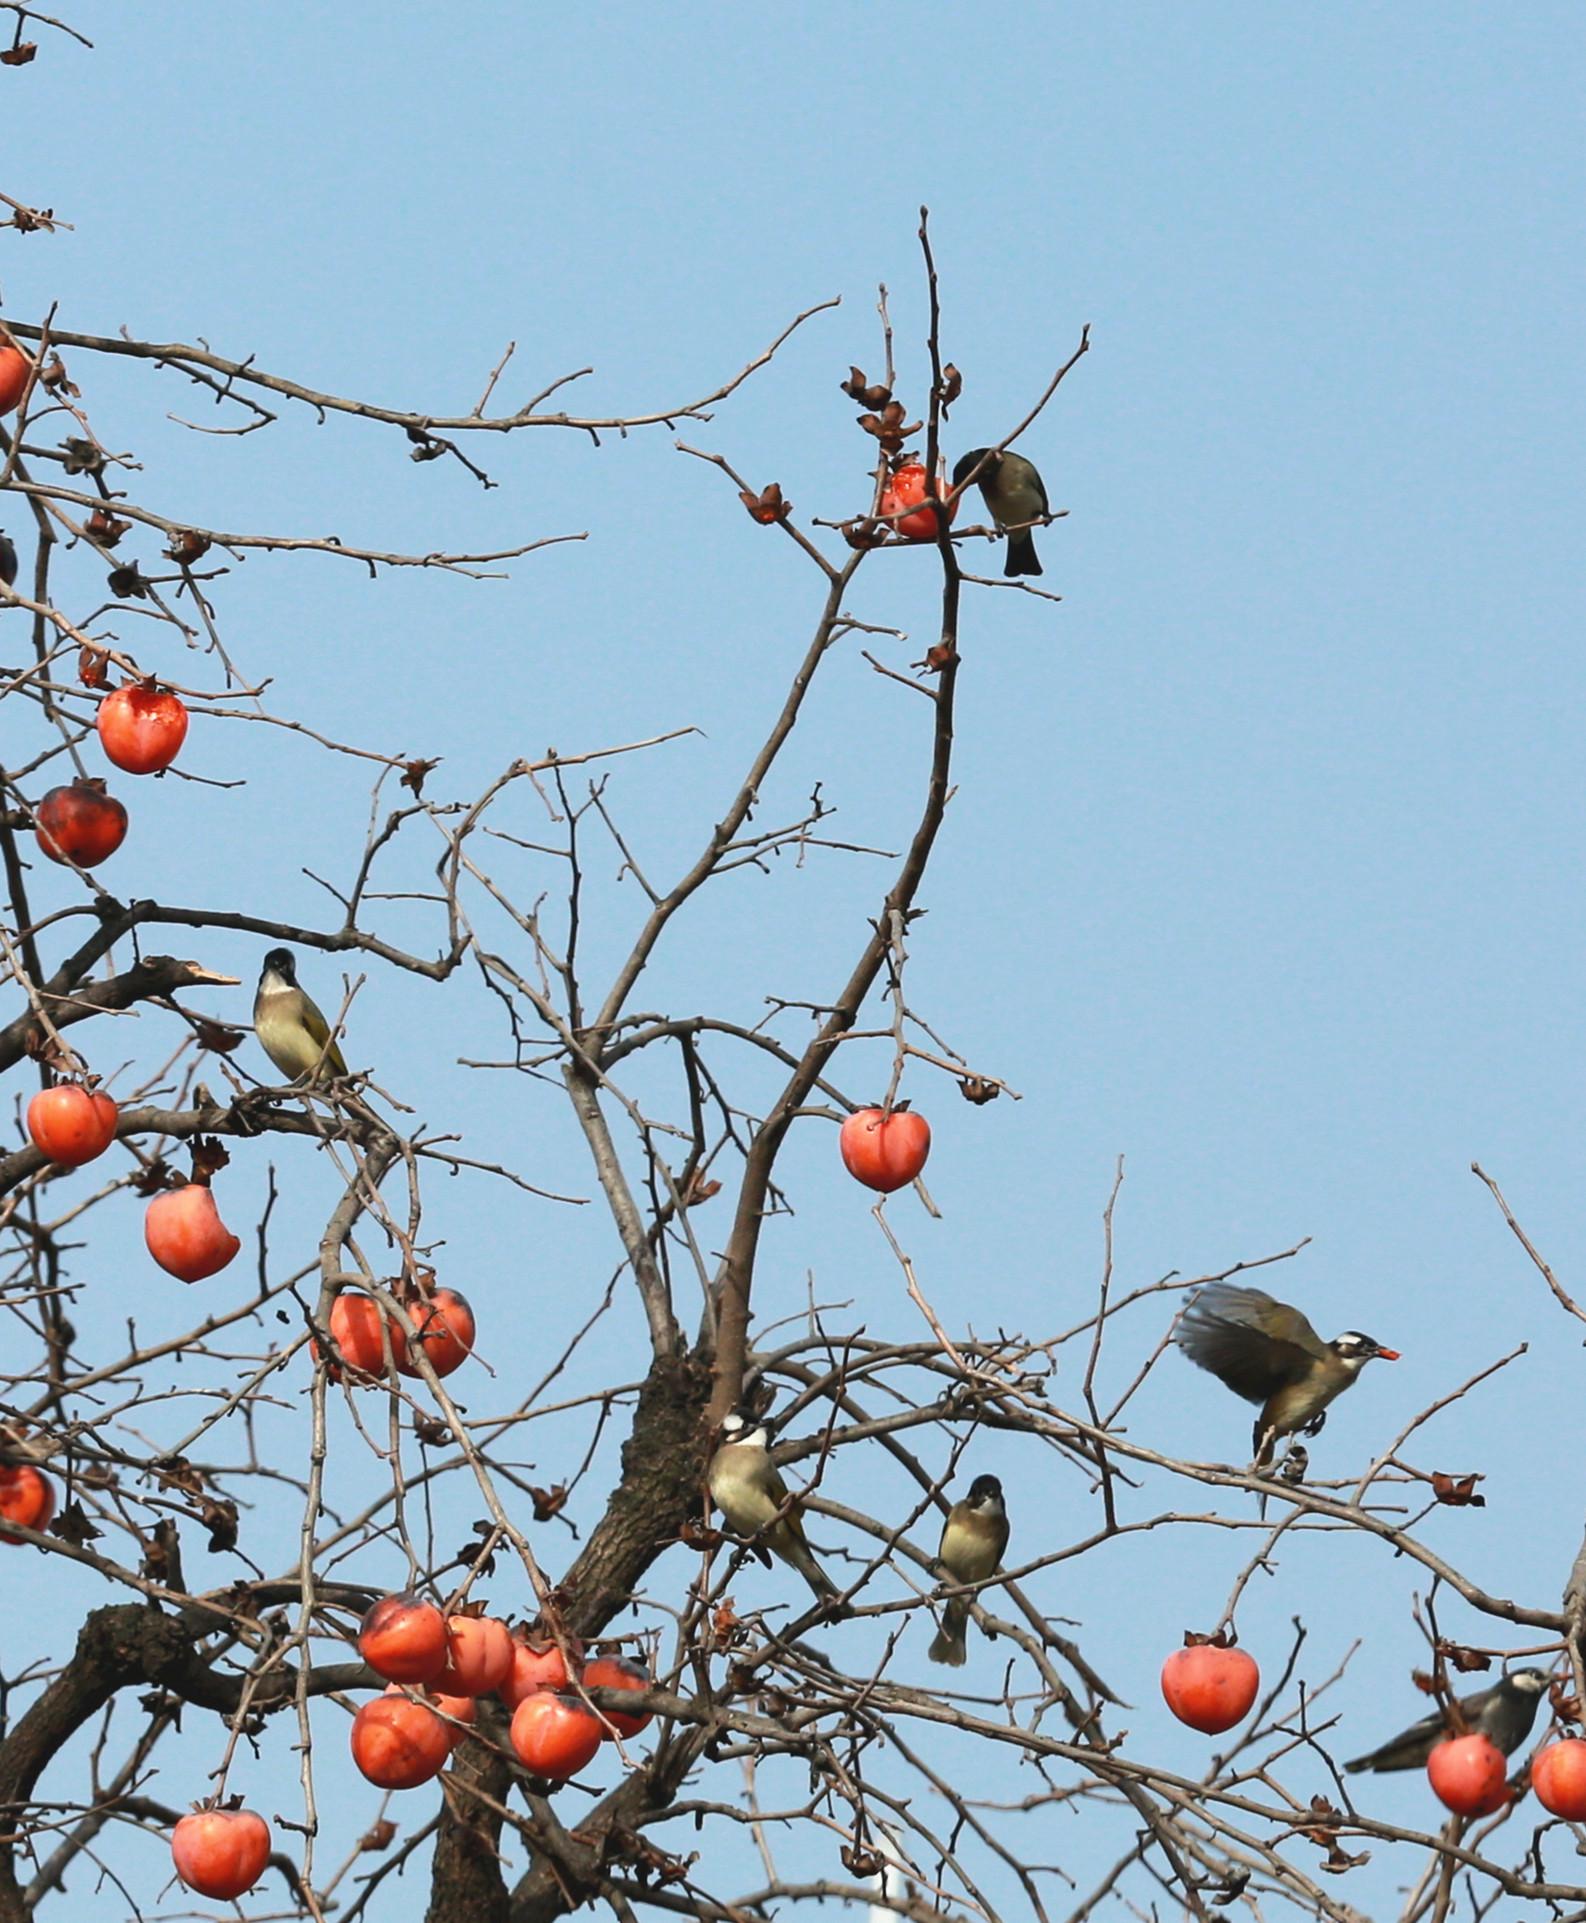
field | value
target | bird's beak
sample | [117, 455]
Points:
[1388, 1355]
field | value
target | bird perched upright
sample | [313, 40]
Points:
[1014, 493]
[974, 1538]
[1503, 1714]
[8, 559]
[1268, 1353]
[290, 1027]
[747, 1487]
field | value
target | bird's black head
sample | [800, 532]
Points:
[1357, 1350]
[984, 1491]
[967, 463]
[279, 962]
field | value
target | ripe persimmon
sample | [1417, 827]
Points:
[445, 1326]
[1558, 1775]
[15, 368]
[398, 1743]
[403, 1638]
[185, 1234]
[535, 1667]
[27, 1497]
[554, 1736]
[1209, 1688]
[71, 1124]
[905, 488]
[141, 728]
[617, 1672]
[479, 1654]
[1469, 1775]
[884, 1152]
[80, 823]
[221, 1852]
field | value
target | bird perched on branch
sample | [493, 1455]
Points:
[8, 559]
[1268, 1353]
[291, 1029]
[1503, 1714]
[974, 1539]
[1015, 494]
[747, 1487]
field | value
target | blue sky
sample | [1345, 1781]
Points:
[1264, 864]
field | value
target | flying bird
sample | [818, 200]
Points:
[1503, 1714]
[1268, 1353]
[291, 1029]
[747, 1487]
[1015, 494]
[974, 1539]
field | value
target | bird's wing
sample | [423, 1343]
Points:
[1253, 1343]
[319, 1029]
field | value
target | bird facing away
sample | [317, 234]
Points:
[1503, 1714]
[974, 1538]
[1014, 493]
[1268, 1353]
[748, 1489]
[289, 1025]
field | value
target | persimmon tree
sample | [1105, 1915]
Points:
[236, 1474]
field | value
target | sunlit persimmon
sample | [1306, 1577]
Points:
[27, 1498]
[15, 368]
[554, 1736]
[478, 1655]
[617, 1672]
[399, 1743]
[535, 1666]
[355, 1326]
[445, 1333]
[461, 1709]
[1469, 1775]
[403, 1638]
[185, 1234]
[71, 1124]
[80, 823]
[1211, 1689]
[141, 728]
[221, 1852]
[883, 1151]
[1558, 1775]
[905, 488]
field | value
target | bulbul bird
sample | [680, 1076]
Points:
[1268, 1353]
[8, 559]
[1014, 493]
[290, 1027]
[747, 1487]
[1503, 1714]
[974, 1538]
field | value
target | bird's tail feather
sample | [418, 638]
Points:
[951, 1645]
[1022, 557]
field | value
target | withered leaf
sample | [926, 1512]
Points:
[209, 1157]
[217, 1038]
[952, 385]
[53, 376]
[378, 1836]
[176, 1472]
[1459, 1492]
[548, 1502]
[188, 545]
[93, 670]
[20, 54]
[80, 456]
[701, 1188]
[861, 1859]
[127, 584]
[220, 1519]
[414, 773]
[976, 1089]
[103, 526]
[1337, 1861]
[863, 534]
[72, 1525]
